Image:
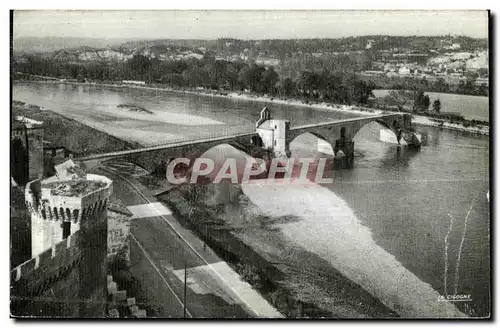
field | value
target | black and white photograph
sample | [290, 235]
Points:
[250, 164]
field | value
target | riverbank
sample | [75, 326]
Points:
[418, 119]
[427, 121]
[296, 282]
[61, 131]
[334, 233]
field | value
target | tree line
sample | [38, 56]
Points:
[467, 87]
[464, 87]
[337, 86]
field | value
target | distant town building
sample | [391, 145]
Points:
[133, 82]
[390, 68]
[369, 44]
[404, 71]
[195, 55]
[372, 73]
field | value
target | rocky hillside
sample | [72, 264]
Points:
[120, 53]
[30, 45]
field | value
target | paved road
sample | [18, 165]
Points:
[161, 249]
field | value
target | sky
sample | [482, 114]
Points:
[268, 24]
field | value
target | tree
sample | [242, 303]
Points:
[482, 90]
[466, 88]
[441, 86]
[309, 82]
[251, 77]
[421, 101]
[288, 87]
[363, 91]
[193, 76]
[436, 105]
[482, 72]
[231, 74]
[400, 98]
[269, 79]
[138, 66]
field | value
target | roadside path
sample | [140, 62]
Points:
[215, 290]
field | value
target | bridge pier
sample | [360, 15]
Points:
[344, 154]
[346, 146]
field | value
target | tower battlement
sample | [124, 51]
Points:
[74, 200]
[64, 253]
[65, 203]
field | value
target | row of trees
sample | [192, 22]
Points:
[414, 99]
[468, 87]
[339, 86]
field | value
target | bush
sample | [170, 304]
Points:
[250, 274]
[287, 304]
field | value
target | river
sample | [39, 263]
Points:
[397, 204]
[175, 116]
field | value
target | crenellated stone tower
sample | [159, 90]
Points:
[69, 246]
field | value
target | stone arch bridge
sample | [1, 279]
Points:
[272, 135]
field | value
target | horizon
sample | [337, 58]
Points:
[247, 24]
[242, 39]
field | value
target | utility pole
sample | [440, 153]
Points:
[204, 240]
[185, 288]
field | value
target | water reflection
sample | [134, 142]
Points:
[401, 156]
[429, 137]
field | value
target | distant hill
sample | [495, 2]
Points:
[164, 43]
[362, 49]
[31, 45]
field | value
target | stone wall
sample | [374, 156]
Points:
[35, 153]
[20, 228]
[67, 280]
[118, 231]
[120, 305]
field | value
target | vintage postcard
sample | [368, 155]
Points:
[250, 164]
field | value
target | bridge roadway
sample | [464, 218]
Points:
[347, 120]
[229, 138]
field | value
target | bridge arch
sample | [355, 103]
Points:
[391, 124]
[256, 141]
[323, 144]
